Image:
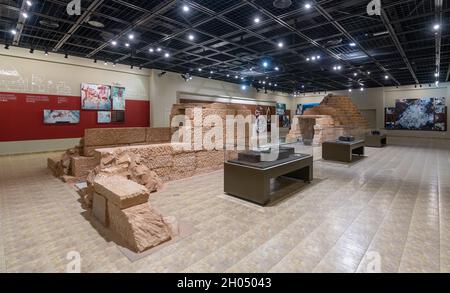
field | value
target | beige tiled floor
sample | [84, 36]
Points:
[391, 209]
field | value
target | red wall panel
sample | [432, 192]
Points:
[22, 117]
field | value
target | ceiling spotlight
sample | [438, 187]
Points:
[95, 60]
[106, 63]
[436, 74]
[131, 67]
[14, 32]
[127, 45]
[131, 36]
[159, 49]
[303, 86]
[355, 74]
[352, 44]
[350, 90]
[199, 70]
[187, 77]
[318, 57]
[368, 72]
[307, 59]
[140, 67]
[243, 87]
[114, 43]
[275, 85]
[228, 75]
[265, 64]
[191, 37]
[46, 52]
[236, 77]
[313, 58]
[386, 77]
[29, 3]
[186, 8]
[151, 50]
[362, 89]
[335, 68]
[436, 27]
[211, 72]
[280, 45]
[162, 73]
[6, 46]
[25, 15]
[66, 56]
[242, 78]
[114, 64]
[257, 20]
[307, 6]
[277, 68]
[31, 51]
[167, 55]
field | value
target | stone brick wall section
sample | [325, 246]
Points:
[122, 205]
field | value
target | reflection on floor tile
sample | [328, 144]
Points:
[387, 213]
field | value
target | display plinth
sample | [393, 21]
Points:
[376, 141]
[342, 151]
[265, 182]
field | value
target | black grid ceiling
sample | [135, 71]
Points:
[228, 42]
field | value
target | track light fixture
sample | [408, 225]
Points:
[6, 46]
[162, 74]
[66, 56]
[31, 50]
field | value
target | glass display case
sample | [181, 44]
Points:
[266, 173]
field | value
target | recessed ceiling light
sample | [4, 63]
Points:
[352, 45]
[131, 36]
[362, 89]
[186, 8]
[191, 37]
[339, 67]
[257, 20]
[114, 43]
[200, 70]
[307, 59]
[313, 58]
[275, 85]
[386, 77]
[228, 75]
[350, 90]
[167, 55]
[303, 86]
[244, 87]
[355, 74]
[24, 14]
[95, 23]
[151, 50]
[265, 64]
[436, 74]
[211, 72]
[14, 32]
[159, 49]
[236, 77]
[277, 68]
[127, 45]
[318, 57]
[436, 27]
[307, 6]
[29, 3]
[368, 72]
[280, 44]
[264, 82]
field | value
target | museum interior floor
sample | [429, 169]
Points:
[394, 204]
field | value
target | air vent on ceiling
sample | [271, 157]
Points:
[282, 4]
[48, 23]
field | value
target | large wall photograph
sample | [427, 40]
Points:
[96, 97]
[425, 114]
[61, 116]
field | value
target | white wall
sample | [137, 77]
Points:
[165, 90]
[380, 98]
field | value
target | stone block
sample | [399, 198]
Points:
[184, 160]
[210, 159]
[52, 164]
[81, 166]
[160, 162]
[121, 192]
[99, 209]
[114, 136]
[158, 135]
[139, 227]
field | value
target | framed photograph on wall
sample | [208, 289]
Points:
[104, 117]
[118, 117]
[61, 116]
[95, 97]
[118, 98]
